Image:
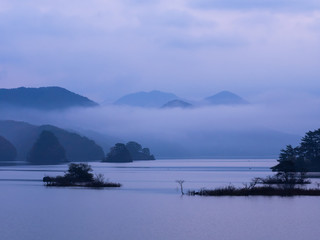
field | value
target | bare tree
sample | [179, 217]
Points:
[180, 182]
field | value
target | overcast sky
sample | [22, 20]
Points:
[194, 48]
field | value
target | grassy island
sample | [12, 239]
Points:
[282, 184]
[79, 175]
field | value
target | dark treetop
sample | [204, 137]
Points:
[119, 153]
[139, 153]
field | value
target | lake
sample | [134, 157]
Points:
[150, 206]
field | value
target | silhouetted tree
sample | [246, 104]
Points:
[181, 182]
[80, 172]
[47, 150]
[133, 147]
[119, 153]
[7, 151]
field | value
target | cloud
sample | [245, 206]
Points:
[105, 49]
[257, 4]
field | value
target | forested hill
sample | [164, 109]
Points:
[44, 98]
[23, 135]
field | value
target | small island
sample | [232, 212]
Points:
[132, 151]
[282, 184]
[293, 166]
[79, 175]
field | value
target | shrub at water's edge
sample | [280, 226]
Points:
[79, 175]
[257, 191]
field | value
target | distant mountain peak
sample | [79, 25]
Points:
[44, 98]
[225, 98]
[151, 99]
[177, 103]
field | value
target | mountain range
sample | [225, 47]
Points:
[43, 98]
[158, 99]
[153, 99]
[225, 98]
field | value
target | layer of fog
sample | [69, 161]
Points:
[293, 114]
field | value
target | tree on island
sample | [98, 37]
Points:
[119, 153]
[139, 153]
[47, 150]
[7, 151]
[81, 172]
[305, 157]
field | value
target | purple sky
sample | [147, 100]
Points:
[194, 48]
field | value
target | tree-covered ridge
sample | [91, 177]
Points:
[127, 153]
[47, 150]
[305, 157]
[23, 135]
[7, 151]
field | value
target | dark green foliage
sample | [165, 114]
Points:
[7, 151]
[81, 172]
[139, 153]
[79, 175]
[305, 157]
[119, 153]
[47, 150]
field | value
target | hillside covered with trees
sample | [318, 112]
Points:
[305, 157]
[23, 135]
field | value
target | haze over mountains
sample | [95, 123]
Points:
[167, 124]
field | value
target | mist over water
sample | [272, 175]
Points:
[261, 128]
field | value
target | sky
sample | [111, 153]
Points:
[193, 48]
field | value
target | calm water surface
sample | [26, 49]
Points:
[149, 205]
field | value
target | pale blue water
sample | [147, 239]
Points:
[149, 205]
